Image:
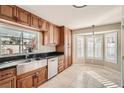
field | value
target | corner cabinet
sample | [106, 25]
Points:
[32, 79]
[8, 12]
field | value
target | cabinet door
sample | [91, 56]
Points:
[44, 26]
[8, 83]
[69, 38]
[26, 82]
[61, 64]
[66, 47]
[34, 21]
[69, 48]
[8, 12]
[51, 39]
[41, 76]
[40, 22]
[69, 56]
[45, 38]
[66, 56]
[23, 17]
[56, 35]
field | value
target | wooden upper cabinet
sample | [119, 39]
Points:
[23, 17]
[56, 33]
[8, 12]
[45, 25]
[40, 22]
[51, 34]
[45, 38]
[34, 21]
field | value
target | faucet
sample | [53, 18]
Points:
[26, 56]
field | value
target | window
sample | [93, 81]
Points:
[98, 47]
[13, 41]
[29, 41]
[80, 46]
[111, 47]
[9, 41]
[90, 46]
[94, 46]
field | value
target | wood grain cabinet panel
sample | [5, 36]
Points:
[41, 76]
[43, 25]
[8, 78]
[34, 21]
[26, 82]
[51, 33]
[33, 78]
[8, 83]
[65, 45]
[48, 35]
[61, 64]
[7, 73]
[52, 36]
[23, 17]
[8, 12]
[56, 35]
[45, 38]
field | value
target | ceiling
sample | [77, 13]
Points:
[75, 18]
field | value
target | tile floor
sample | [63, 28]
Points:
[85, 76]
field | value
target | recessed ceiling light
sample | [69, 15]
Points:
[79, 6]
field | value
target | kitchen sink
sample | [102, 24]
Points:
[30, 65]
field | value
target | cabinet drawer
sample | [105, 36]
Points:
[60, 69]
[61, 62]
[7, 73]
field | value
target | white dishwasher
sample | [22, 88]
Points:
[52, 67]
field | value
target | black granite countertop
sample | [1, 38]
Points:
[9, 61]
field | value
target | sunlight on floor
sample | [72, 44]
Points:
[107, 83]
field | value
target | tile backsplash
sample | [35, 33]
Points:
[43, 49]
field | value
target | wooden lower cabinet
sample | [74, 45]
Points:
[26, 82]
[8, 78]
[41, 76]
[32, 79]
[61, 64]
[8, 83]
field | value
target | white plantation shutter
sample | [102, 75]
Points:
[111, 47]
[98, 47]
